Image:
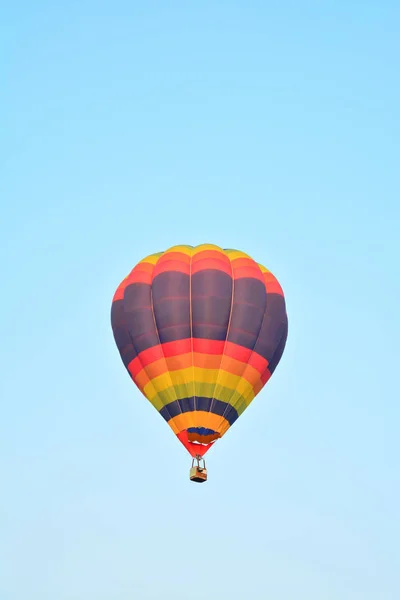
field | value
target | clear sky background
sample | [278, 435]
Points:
[128, 127]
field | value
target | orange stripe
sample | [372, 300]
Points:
[258, 386]
[143, 266]
[208, 346]
[211, 263]
[185, 258]
[199, 419]
[240, 369]
[171, 265]
[141, 380]
[207, 361]
[211, 254]
[253, 272]
[272, 284]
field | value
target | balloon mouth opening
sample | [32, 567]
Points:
[201, 435]
[197, 440]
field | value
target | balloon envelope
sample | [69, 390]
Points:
[200, 331]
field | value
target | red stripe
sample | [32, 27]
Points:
[193, 449]
[237, 352]
[272, 284]
[119, 292]
[244, 262]
[171, 265]
[170, 349]
[166, 350]
[211, 263]
[254, 272]
[258, 362]
[142, 273]
[265, 376]
[180, 256]
[143, 266]
[145, 358]
[176, 348]
[139, 277]
[208, 346]
[245, 355]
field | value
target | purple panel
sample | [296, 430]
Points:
[249, 303]
[121, 335]
[209, 332]
[217, 283]
[170, 284]
[171, 305]
[250, 290]
[139, 316]
[211, 304]
[273, 363]
[172, 311]
[273, 328]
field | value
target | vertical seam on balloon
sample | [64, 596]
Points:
[235, 395]
[191, 336]
[227, 334]
[159, 341]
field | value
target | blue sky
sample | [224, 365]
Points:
[126, 128]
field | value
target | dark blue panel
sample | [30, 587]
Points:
[171, 306]
[136, 295]
[252, 291]
[188, 405]
[121, 334]
[172, 334]
[273, 327]
[172, 311]
[203, 431]
[212, 282]
[273, 363]
[171, 284]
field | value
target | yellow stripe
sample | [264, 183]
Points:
[199, 375]
[233, 254]
[152, 258]
[263, 269]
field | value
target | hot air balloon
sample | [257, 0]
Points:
[200, 331]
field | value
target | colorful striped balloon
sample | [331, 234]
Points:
[200, 331]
